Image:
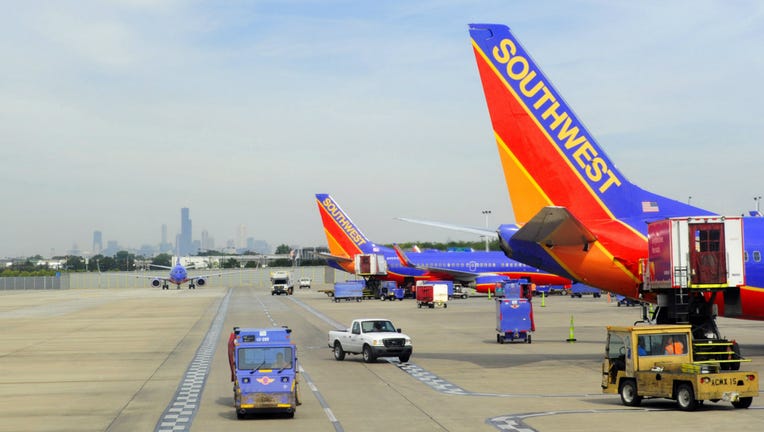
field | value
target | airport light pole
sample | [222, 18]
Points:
[688, 199]
[486, 213]
[757, 199]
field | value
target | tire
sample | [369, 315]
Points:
[445, 305]
[240, 415]
[419, 305]
[743, 402]
[368, 355]
[405, 358]
[339, 353]
[685, 397]
[628, 392]
[529, 338]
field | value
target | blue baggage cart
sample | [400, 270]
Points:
[348, 291]
[579, 289]
[399, 293]
[514, 320]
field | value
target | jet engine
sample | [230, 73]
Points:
[156, 282]
[201, 281]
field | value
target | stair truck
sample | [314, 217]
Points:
[658, 361]
[264, 371]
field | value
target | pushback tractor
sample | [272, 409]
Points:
[264, 371]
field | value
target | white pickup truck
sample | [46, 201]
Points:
[371, 337]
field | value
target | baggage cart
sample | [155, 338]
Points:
[348, 291]
[432, 295]
[514, 320]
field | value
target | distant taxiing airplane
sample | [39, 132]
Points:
[347, 244]
[178, 276]
[578, 215]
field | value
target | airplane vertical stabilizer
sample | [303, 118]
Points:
[343, 236]
[548, 156]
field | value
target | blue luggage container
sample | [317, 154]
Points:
[579, 289]
[514, 320]
[348, 291]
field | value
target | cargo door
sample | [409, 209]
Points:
[707, 254]
[365, 264]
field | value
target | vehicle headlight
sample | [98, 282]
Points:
[375, 342]
[408, 342]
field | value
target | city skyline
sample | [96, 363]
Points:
[185, 243]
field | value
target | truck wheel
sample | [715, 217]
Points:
[339, 353]
[628, 392]
[743, 402]
[405, 358]
[368, 354]
[419, 305]
[240, 415]
[685, 397]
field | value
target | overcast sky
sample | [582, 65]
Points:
[115, 114]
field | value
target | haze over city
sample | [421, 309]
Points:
[117, 114]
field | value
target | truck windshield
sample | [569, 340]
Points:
[377, 326]
[264, 358]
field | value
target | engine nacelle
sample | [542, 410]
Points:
[201, 281]
[156, 282]
[489, 282]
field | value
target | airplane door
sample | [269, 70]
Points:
[707, 254]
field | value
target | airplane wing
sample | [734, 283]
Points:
[464, 228]
[555, 226]
[446, 271]
[160, 266]
[337, 258]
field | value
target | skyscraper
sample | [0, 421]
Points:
[97, 243]
[184, 241]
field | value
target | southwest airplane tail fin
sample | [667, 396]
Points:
[549, 158]
[344, 238]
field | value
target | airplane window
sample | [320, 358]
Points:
[756, 256]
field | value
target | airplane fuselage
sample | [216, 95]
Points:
[478, 263]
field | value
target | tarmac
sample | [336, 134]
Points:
[144, 359]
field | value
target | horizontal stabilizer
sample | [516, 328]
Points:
[555, 226]
[337, 258]
[464, 228]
